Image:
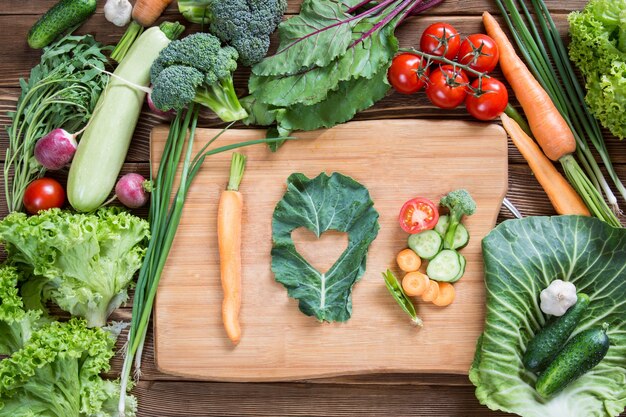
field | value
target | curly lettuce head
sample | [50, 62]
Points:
[598, 48]
[82, 262]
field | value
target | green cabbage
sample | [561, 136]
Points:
[82, 262]
[521, 258]
[598, 48]
[54, 368]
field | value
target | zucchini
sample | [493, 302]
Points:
[103, 147]
[580, 354]
[445, 267]
[551, 338]
[426, 244]
[61, 17]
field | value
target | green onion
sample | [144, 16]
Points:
[551, 67]
[164, 218]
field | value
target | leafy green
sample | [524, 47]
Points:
[521, 258]
[83, 262]
[61, 92]
[598, 48]
[334, 202]
[53, 368]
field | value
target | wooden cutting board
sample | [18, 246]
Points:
[396, 160]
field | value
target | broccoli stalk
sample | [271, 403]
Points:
[197, 69]
[460, 203]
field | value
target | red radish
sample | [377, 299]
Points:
[56, 149]
[132, 190]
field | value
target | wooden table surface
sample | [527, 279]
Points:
[373, 395]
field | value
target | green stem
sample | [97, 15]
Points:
[129, 37]
[521, 121]
[237, 166]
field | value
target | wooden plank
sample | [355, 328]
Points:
[16, 57]
[373, 153]
[174, 399]
[448, 7]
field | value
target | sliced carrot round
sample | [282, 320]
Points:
[415, 283]
[431, 292]
[446, 294]
[408, 261]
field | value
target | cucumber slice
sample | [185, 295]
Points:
[442, 225]
[461, 238]
[426, 244]
[462, 272]
[446, 266]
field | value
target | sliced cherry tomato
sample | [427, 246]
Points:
[479, 52]
[487, 99]
[43, 194]
[408, 73]
[441, 39]
[447, 87]
[418, 214]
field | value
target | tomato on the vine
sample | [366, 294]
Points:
[43, 194]
[447, 86]
[487, 99]
[418, 214]
[441, 39]
[479, 52]
[408, 73]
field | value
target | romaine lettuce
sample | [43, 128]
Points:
[82, 262]
[521, 258]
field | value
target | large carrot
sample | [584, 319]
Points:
[145, 13]
[229, 241]
[548, 126]
[561, 194]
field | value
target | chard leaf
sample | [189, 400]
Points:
[339, 106]
[313, 85]
[521, 258]
[334, 202]
[319, 48]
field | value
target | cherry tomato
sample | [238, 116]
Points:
[43, 194]
[418, 214]
[440, 39]
[407, 73]
[479, 52]
[487, 99]
[446, 88]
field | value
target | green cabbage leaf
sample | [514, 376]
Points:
[82, 262]
[521, 258]
[598, 48]
[323, 203]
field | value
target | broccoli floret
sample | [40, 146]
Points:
[197, 69]
[460, 203]
[244, 24]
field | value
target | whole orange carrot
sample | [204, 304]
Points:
[548, 126]
[229, 241]
[561, 194]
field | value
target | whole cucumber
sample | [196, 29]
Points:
[62, 16]
[549, 340]
[579, 355]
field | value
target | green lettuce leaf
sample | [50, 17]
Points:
[334, 202]
[521, 258]
[598, 48]
[83, 262]
[54, 368]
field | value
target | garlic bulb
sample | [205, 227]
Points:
[558, 297]
[118, 12]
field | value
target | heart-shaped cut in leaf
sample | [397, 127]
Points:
[334, 202]
[321, 252]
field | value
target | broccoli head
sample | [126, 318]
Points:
[460, 203]
[197, 69]
[244, 24]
